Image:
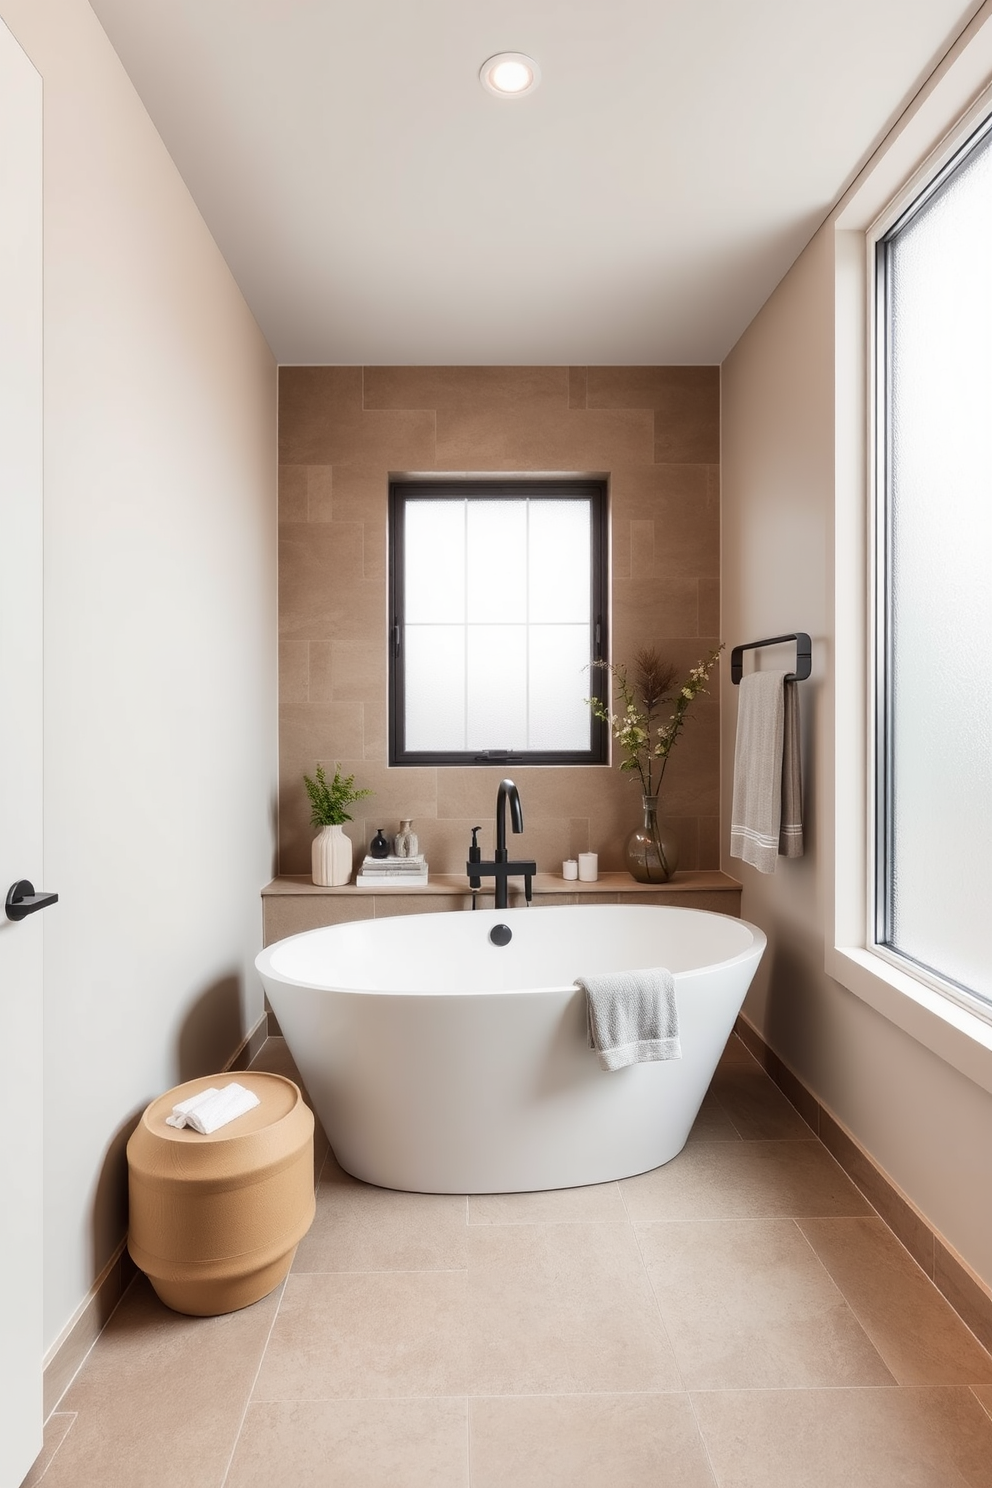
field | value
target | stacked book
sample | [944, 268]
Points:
[392, 873]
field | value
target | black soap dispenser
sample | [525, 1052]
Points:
[379, 846]
[475, 856]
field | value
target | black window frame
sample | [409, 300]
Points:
[558, 489]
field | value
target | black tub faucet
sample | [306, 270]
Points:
[507, 792]
[502, 869]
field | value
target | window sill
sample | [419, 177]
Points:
[959, 1037]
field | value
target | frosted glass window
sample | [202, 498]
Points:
[498, 607]
[434, 568]
[496, 561]
[435, 713]
[496, 692]
[557, 662]
[559, 565]
[935, 870]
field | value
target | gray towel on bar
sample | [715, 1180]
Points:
[632, 1016]
[790, 833]
[766, 816]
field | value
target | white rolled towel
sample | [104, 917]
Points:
[212, 1109]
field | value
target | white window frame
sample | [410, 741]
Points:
[879, 500]
[944, 115]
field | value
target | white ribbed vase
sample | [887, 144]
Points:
[331, 857]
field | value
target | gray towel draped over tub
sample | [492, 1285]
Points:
[766, 819]
[632, 1016]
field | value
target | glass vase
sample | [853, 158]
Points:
[652, 849]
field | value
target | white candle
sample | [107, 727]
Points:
[570, 868]
[588, 867]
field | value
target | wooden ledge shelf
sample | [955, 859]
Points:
[293, 903]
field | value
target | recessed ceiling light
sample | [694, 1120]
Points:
[510, 75]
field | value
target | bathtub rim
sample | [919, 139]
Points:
[263, 961]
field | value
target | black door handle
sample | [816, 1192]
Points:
[22, 900]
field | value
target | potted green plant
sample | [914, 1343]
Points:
[332, 852]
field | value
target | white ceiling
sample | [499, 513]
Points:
[378, 206]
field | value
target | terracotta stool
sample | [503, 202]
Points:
[215, 1220]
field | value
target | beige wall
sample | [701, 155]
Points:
[342, 432]
[927, 1125]
[159, 638]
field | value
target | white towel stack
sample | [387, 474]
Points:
[212, 1109]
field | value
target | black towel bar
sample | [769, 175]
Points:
[804, 656]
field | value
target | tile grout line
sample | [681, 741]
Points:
[702, 1440]
[855, 1313]
[68, 1433]
[710, 1091]
[657, 1304]
[986, 1408]
[620, 1394]
[875, 1215]
[468, 1438]
[391, 1271]
[251, 1387]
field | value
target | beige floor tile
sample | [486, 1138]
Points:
[561, 1308]
[713, 1124]
[917, 1333]
[57, 1428]
[756, 1106]
[984, 1395]
[746, 1304]
[350, 1334]
[361, 1228]
[353, 1444]
[737, 1052]
[895, 1438]
[745, 1180]
[160, 1399]
[587, 1441]
[600, 1201]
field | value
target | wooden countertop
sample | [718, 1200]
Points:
[704, 880]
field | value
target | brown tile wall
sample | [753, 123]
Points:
[343, 431]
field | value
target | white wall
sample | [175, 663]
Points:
[925, 1123]
[160, 637]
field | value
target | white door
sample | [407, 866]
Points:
[21, 1345]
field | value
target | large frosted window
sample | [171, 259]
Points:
[935, 546]
[498, 608]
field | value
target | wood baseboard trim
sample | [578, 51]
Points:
[962, 1287]
[249, 1046]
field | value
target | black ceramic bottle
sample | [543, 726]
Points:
[379, 847]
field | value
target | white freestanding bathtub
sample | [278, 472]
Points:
[441, 1062]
